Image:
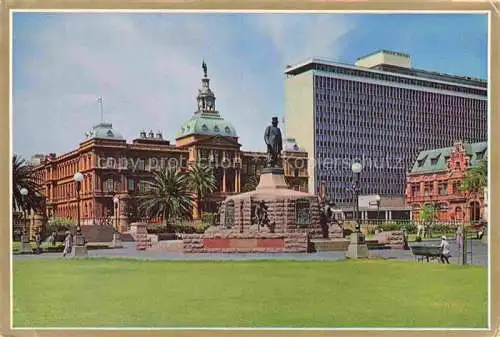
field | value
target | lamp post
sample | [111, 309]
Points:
[357, 248]
[116, 201]
[116, 234]
[356, 169]
[25, 238]
[80, 248]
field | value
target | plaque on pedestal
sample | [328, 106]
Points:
[79, 247]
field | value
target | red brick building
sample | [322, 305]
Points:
[435, 179]
[113, 167]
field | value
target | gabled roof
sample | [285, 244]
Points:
[435, 160]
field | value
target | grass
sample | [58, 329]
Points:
[351, 293]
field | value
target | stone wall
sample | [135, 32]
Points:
[281, 212]
[142, 241]
[255, 242]
[394, 239]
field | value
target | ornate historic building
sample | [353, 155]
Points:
[113, 167]
[435, 179]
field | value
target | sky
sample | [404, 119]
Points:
[147, 66]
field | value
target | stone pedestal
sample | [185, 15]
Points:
[25, 244]
[117, 241]
[357, 249]
[484, 239]
[272, 178]
[79, 247]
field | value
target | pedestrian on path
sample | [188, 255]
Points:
[68, 243]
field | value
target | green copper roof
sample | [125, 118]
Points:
[104, 131]
[209, 124]
[435, 160]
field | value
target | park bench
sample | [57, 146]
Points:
[427, 252]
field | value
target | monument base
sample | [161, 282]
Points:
[79, 251]
[25, 244]
[357, 249]
[484, 239]
[80, 248]
[117, 241]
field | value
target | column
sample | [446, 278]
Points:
[223, 180]
[235, 180]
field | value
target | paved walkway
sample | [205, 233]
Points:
[479, 254]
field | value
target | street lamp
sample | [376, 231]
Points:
[78, 177]
[25, 239]
[357, 249]
[24, 193]
[356, 169]
[80, 249]
[116, 201]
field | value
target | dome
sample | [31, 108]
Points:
[290, 145]
[104, 131]
[207, 124]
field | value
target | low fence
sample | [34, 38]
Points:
[412, 226]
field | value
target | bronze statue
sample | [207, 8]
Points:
[260, 215]
[204, 66]
[274, 142]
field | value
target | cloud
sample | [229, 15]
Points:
[300, 36]
[147, 67]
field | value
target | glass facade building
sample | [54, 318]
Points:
[381, 116]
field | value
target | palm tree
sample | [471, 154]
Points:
[475, 180]
[202, 182]
[167, 197]
[251, 183]
[23, 176]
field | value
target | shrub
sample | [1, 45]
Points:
[209, 218]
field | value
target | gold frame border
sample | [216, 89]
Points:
[351, 5]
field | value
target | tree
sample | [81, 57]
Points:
[475, 180]
[428, 213]
[23, 176]
[202, 182]
[167, 196]
[251, 183]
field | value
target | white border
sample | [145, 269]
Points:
[136, 11]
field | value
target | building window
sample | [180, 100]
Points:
[110, 185]
[131, 184]
[443, 189]
[415, 189]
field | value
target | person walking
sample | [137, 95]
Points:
[445, 250]
[68, 243]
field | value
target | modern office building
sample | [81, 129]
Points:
[381, 112]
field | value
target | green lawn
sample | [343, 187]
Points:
[130, 293]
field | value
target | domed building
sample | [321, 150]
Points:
[116, 169]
